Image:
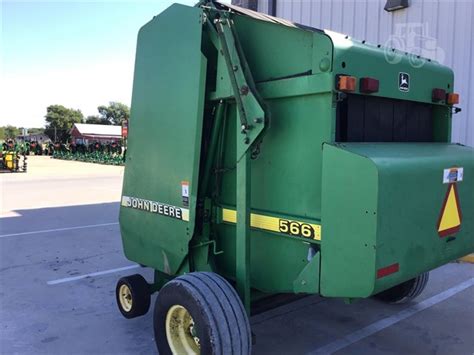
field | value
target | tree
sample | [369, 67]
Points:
[97, 120]
[115, 113]
[10, 132]
[59, 121]
[35, 130]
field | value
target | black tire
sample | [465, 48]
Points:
[221, 322]
[406, 291]
[139, 294]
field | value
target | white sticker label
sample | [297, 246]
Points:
[185, 189]
[185, 193]
[452, 175]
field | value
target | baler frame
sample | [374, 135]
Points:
[250, 107]
[223, 111]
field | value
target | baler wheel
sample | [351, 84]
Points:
[133, 296]
[200, 312]
[406, 291]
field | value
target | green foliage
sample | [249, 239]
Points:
[59, 121]
[35, 130]
[97, 120]
[8, 132]
[115, 113]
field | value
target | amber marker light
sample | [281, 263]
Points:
[347, 83]
[452, 99]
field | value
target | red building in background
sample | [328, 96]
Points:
[84, 133]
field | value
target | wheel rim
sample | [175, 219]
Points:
[181, 331]
[125, 298]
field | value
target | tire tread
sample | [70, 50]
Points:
[406, 291]
[140, 294]
[231, 296]
[218, 301]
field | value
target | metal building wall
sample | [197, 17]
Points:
[438, 29]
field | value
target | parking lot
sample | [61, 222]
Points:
[61, 255]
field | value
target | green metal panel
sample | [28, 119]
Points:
[381, 204]
[352, 57]
[275, 262]
[291, 55]
[360, 59]
[286, 179]
[275, 52]
[308, 279]
[286, 176]
[165, 136]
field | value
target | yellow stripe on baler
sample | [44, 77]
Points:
[276, 224]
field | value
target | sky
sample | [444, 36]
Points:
[79, 54]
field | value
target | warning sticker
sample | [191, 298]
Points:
[450, 218]
[185, 192]
[452, 175]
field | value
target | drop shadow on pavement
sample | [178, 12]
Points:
[31, 220]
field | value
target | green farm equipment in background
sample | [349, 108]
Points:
[266, 157]
[36, 148]
[110, 153]
[13, 158]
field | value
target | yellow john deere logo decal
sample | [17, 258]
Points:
[450, 218]
[279, 225]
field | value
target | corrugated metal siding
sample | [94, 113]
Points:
[447, 37]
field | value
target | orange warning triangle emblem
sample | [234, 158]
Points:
[450, 218]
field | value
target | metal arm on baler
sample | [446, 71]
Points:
[253, 118]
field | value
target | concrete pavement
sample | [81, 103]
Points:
[64, 227]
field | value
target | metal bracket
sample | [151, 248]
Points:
[214, 246]
[252, 120]
[250, 111]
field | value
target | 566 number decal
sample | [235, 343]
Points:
[296, 228]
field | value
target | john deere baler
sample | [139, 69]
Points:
[279, 158]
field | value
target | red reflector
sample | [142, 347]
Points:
[387, 270]
[369, 85]
[438, 95]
